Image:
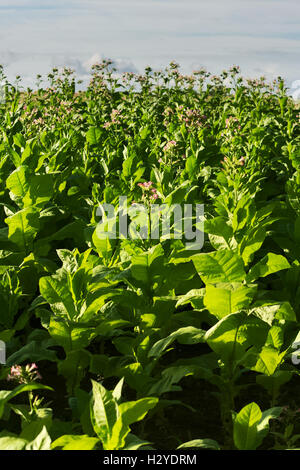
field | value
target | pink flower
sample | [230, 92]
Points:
[170, 145]
[24, 375]
[145, 185]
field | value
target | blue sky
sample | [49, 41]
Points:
[262, 36]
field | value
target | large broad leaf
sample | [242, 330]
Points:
[263, 425]
[133, 411]
[93, 135]
[245, 427]
[232, 335]
[251, 426]
[23, 227]
[104, 412]
[170, 376]
[187, 335]
[268, 311]
[71, 336]
[33, 351]
[18, 184]
[41, 189]
[228, 298]
[269, 357]
[145, 264]
[265, 361]
[29, 189]
[104, 239]
[56, 292]
[252, 242]
[270, 264]
[75, 442]
[12, 443]
[220, 228]
[41, 442]
[194, 296]
[219, 266]
[130, 412]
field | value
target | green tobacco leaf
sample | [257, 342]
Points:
[201, 443]
[93, 135]
[268, 311]
[266, 361]
[220, 233]
[252, 242]
[75, 442]
[232, 335]
[170, 376]
[130, 412]
[56, 291]
[133, 411]
[18, 184]
[41, 442]
[33, 351]
[230, 298]
[23, 227]
[29, 189]
[270, 264]
[194, 296]
[103, 239]
[219, 266]
[263, 425]
[117, 392]
[245, 427]
[144, 263]
[104, 412]
[132, 442]
[187, 335]
[70, 336]
[12, 443]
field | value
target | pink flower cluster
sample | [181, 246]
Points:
[235, 69]
[233, 125]
[24, 375]
[168, 111]
[115, 116]
[38, 122]
[232, 121]
[170, 145]
[241, 161]
[148, 187]
[192, 117]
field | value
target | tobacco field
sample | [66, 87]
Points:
[140, 343]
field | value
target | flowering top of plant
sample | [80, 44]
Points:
[152, 192]
[145, 185]
[170, 145]
[24, 374]
[192, 117]
[232, 122]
